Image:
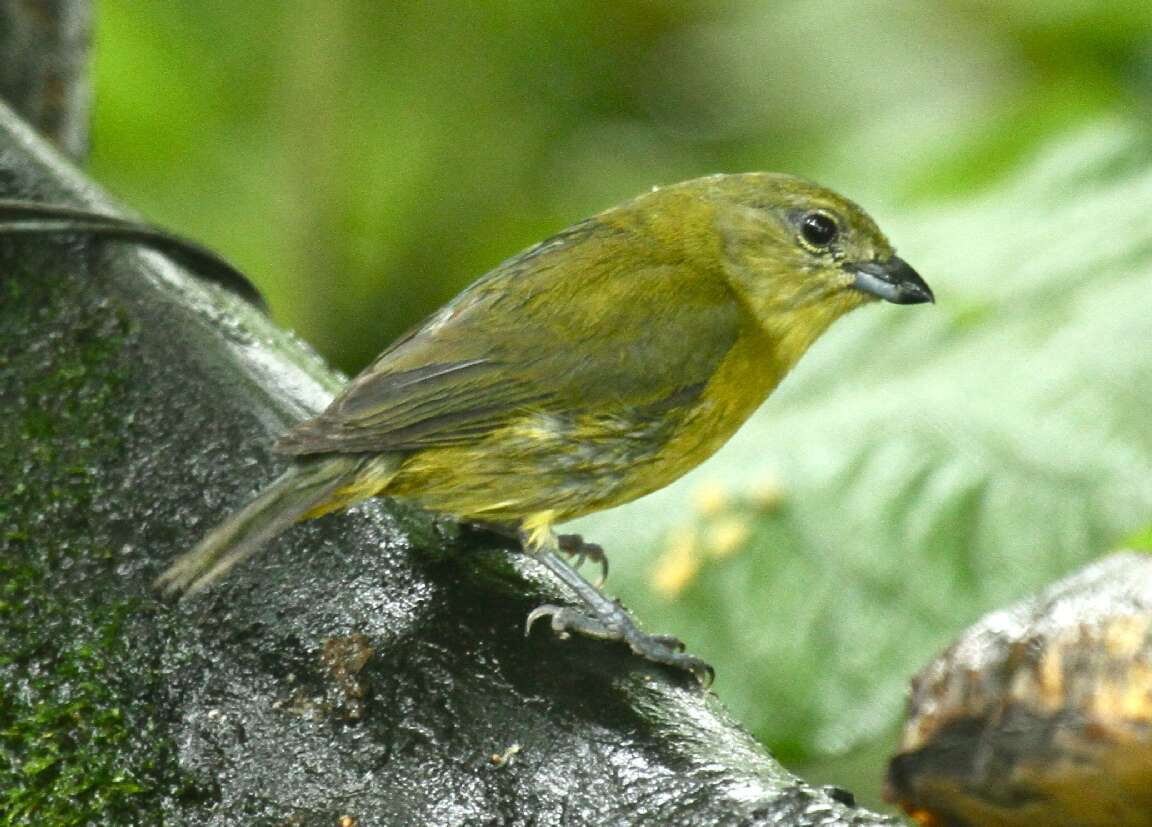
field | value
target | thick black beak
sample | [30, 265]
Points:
[892, 280]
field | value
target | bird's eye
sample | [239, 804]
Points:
[819, 229]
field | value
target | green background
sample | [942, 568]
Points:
[363, 161]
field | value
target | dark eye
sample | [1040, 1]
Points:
[819, 229]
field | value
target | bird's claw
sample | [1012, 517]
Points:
[665, 649]
[671, 641]
[566, 620]
[574, 546]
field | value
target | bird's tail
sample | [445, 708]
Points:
[301, 491]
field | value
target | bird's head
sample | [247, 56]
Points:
[797, 254]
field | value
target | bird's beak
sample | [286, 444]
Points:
[892, 280]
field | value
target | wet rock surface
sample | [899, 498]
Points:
[370, 665]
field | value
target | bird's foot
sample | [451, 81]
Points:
[574, 546]
[617, 624]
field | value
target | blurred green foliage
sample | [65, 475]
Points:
[364, 160]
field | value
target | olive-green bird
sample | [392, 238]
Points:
[589, 370]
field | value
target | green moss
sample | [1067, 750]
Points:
[64, 739]
[73, 749]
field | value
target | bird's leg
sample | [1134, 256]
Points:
[572, 545]
[605, 618]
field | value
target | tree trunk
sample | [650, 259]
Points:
[44, 75]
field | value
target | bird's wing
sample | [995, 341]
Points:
[532, 338]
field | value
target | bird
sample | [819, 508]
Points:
[592, 368]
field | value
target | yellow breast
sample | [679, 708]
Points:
[744, 379]
[566, 466]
